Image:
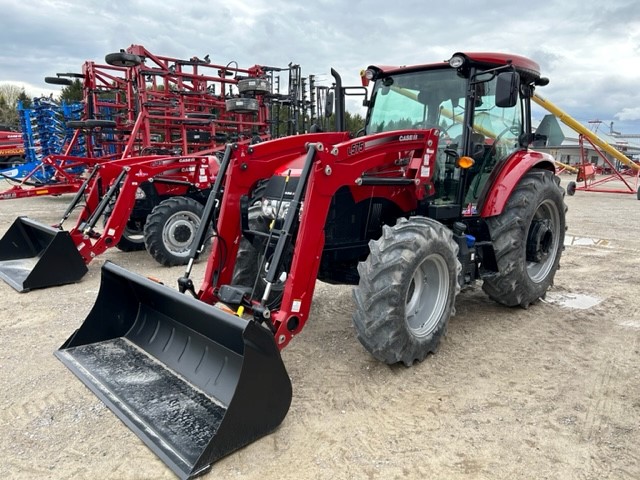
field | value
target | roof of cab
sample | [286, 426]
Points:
[481, 59]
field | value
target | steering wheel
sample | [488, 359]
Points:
[492, 151]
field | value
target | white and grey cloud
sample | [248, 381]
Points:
[590, 50]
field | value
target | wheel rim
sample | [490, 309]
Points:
[427, 295]
[543, 241]
[179, 232]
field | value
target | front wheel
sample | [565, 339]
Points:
[171, 229]
[528, 238]
[407, 290]
[132, 239]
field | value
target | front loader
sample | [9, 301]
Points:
[34, 255]
[440, 191]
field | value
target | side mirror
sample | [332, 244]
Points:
[507, 85]
[328, 104]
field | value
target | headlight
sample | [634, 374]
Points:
[275, 209]
[456, 61]
[140, 195]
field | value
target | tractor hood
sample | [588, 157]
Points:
[284, 179]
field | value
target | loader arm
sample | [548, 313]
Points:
[62, 171]
[123, 177]
[249, 165]
[334, 163]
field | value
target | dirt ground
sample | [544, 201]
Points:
[551, 392]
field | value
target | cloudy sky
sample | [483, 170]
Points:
[589, 49]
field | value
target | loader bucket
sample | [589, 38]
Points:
[193, 382]
[33, 255]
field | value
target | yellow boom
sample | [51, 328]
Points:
[581, 129]
[567, 167]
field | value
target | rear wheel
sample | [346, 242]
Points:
[171, 229]
[571, 188]
[528, 239]
[407, 290]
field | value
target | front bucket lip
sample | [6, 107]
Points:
[35, 255]
[259, 399]
[128, 417]
[10, 280]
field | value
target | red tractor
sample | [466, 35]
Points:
[439, 191]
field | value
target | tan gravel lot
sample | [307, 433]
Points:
[550, 392]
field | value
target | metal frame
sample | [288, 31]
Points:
[587, 173]
[155, 107]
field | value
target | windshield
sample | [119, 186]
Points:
[427, 99]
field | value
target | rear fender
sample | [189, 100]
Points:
[507, 177]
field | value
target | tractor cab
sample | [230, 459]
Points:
[476, 110]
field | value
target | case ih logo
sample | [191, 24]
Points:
[355, 148]
[408, 138]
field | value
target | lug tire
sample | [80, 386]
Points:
[132, 239]
[76, 124]
[571, 189]
[93, 123]
[528, 239]
[58, 81]
[407, 290]
[254, 86]
[250, 258]
[247, 260]
[170, 230]
[242, 105]
[122, 59]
